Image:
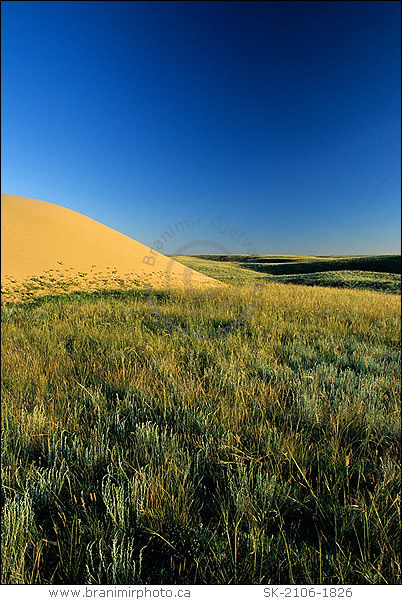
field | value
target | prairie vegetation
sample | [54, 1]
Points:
[134, 455]
[381, 273]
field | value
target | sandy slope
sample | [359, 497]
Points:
[40, 238]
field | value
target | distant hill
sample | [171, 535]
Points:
[379, 273]
[284, 265]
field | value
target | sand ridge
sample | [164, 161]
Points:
[43, 240]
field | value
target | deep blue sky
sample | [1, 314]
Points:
[280, 117]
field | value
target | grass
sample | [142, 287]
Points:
[377, 273]
[56, 282]
[285, 265]
[133, 455]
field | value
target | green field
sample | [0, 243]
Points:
[381, 273]
[132, 454]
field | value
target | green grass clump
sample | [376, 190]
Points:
[134, 455]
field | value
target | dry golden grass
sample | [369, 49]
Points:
[134, 455]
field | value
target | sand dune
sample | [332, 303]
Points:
[40, 239]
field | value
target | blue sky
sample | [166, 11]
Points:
[281, 118]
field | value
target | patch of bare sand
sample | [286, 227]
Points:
[46, 248]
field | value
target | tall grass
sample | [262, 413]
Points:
[133, 455]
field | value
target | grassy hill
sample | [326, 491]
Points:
[134, 455]
[377, 273]
[282, 265]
